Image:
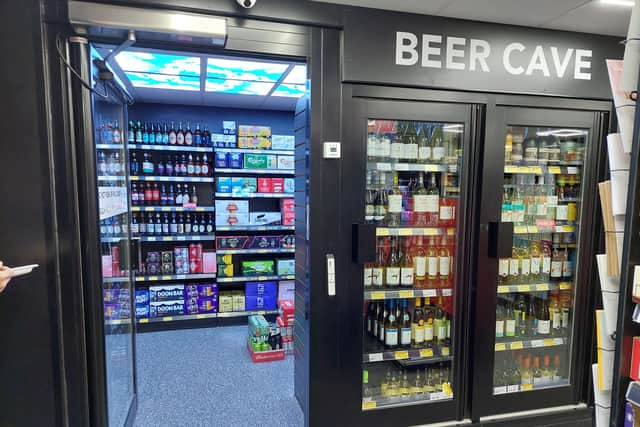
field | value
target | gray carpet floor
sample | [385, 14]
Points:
[204, 377]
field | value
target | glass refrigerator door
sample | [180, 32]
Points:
[412, 194]
[541, 196]
[117, 289]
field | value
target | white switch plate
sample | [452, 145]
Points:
[331, 150]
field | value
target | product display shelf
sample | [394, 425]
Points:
[530, 343]
[372, 294]
[111, 178]
[253, 151]
[564, 245]
[163, 277]
[256, 195]
[172, 209]
[117, 322]
[532, 229]
[423, 355]
[414, 231]
[116, 279]
[180, 317]
[407, 167]
[154, 178]
[246, 313]
[257, 171]
[534, 287]
[185, 238]
[542, 169]
[256, 228]
[109, 146]
[255, 251]
[400, 401]
[170, 148]
[112, 239]
[254, 278]
[529, 387]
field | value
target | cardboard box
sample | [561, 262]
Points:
[283, 142]
[238, 302]
[142, 311]
[207, 305]
[166, 308]
[244, 185]
[209, 262]
[265, 302]
[289, 185]
[231, 219]
[286, 291]
[223, 184]
[288, 242]
[205, 290]
[221, 160]
[232, 242]
[265, 185]
[278, 185]
[117, 295]
[217, 139]
[285, 267]
[181, 260]
[254, 142]
[229, 127]
[235, 160]
[117, 311]
[159, 293]
[635, 359]
[142, 296]
[268, 288]
[288, 205]
[264, 242]
[256, 161]
[254, 130]
[195, 258]
[225, 303]
[286, 162]
[257, 268]
[225, 270]
[265, 218]
[226, 259]
[232, 206]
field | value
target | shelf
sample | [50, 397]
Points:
[253, 278]
[520, 388]
[117, 322]
[424, 355]
[256, 195]
[376, 295]
[115, 279]
[537, 287]
[247, 313]
[112, 239]
[255, 227]
[254, 251]
[411, 167]
[414, 231]
[175, 238]
[527, 229]
[110, 146]
[257, 171]
[177, 318]
[171, 178]
[175, 277]
[541, 170]
[254, 151]
[563, 170]
[537, 343]
[172, 209]
[170, 148]
[564, 245]
[399, 401]
[452, 189]
[111, 178]
[569, 200]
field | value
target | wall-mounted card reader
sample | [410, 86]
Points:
[331, 150]
[331, 275]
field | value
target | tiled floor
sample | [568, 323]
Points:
[204, 377]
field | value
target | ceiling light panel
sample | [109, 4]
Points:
[164, 81]
[290, 91]
[238, 87]
[297, 75]
[157, 63]
[218, 68]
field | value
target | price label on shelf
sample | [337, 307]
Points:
[369, 405]
[526, 387]
[431, 168]
[503, 289]
[401, 355]
[402, 167]
[542, 287]
[537, 343]
[406, 294]
[555, 170]
[558, 341]
[549, 343]
[166, 209]
[510, 169]
[151, 239]
[572, 170]
[430, 293]
[451, 231]
[516, 345]
[167, 319]
[567, 228]
[144, 320]
[447, 292]
[565, 286]
[377, 295]
[375, 357]
[166, 277]
[520, 229]
[200, 316]
[500, 347]
[383, 166]
[181, 276]
[444, 351]
[534, 169]
[153, 278]
[500, 390]
[426, 352]
[382, 231]
[405, 232]
[524, 288]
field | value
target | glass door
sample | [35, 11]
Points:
[413, 210]
[538, 247]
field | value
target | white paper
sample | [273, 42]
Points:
[602, 416]
[618, 159]
[602, 397]
[606, 342]
[625, 123]
[614, 67]
[605, 359]
[618, 221]
[610, 306]
[629, 78]
[619, 189]
[607, 283]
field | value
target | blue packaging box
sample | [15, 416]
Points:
[142, 311]
[261, 289]
[166, 308]
[166, 293]
[235, 160]
[142, 296]
[266, 302]
[222, 160]
[116, 295]
[224, 184]
[205, 290]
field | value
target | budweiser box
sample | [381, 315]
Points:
[231, 219]
[232, 206]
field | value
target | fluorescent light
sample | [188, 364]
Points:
[238, 87]
[628, 3]
[220, 68]
[290, 91]
[563, 133]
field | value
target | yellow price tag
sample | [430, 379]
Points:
[430, 231]
[516, 345]
[133, 178]
[500, 347]
[368, 405]
[144, 320]
[165, 209]
[199, 316]
[555, 170]
[549, 343]
[431, 168]
[510, 169]
[526, 387]
[520, 229]
[153, 278]
[446, 388]
[401, 355]
[382, 231]
[262, 277]
[567, 228]
[503, 289]
[444, 351]
[451, 231]
[167, 319]
[377, 295]
[535, 169]
[427, 352]
[524, 288]
[406, 294]
[542, 287]
[565, 286]
[166, 277]
[405, 232]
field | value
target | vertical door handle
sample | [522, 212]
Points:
[363, 243]
[500, 239]
[331, 275]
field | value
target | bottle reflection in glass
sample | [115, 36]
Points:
[421, 202]
[393, 268]
[407, 272]
[394, 207]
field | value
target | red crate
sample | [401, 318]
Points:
[265, 356]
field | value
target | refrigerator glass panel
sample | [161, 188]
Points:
[117, 289]
[535, 286]
[412, 194]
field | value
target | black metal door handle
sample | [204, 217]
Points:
[500, 239]
[363, 243]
